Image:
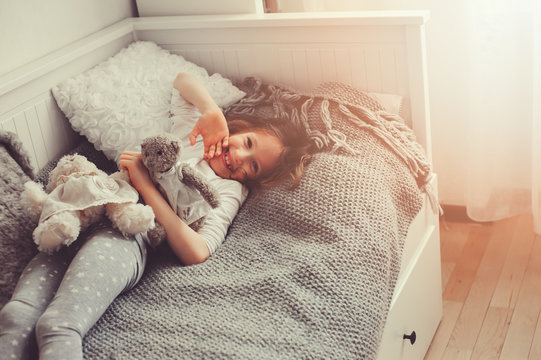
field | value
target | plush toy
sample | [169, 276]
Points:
[79, 194]
[188, 192]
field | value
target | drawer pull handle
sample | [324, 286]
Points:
[411, 337]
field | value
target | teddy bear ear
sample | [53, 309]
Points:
[176, 146]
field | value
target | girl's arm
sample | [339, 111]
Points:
[211, 125]
[187, 244]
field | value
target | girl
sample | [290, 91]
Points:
[61, 296]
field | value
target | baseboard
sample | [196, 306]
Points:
[455, 213]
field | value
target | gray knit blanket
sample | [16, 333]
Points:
[303, 274]
[307, 273]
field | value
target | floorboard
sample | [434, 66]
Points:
[491, 276]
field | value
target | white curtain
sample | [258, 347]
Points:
[536, 120]
[504, 135]
[502, 84]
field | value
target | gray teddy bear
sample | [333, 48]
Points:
[186, 190]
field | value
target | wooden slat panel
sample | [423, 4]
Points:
[300, 68]
[231, 63]
[34, 127]
[218, 61]
[373, 73]
[285, 72]
[243, 63]
[343, 65]
[328, 63]
[359, 68]
[189, 54]
[314, 67]
[9, 125]
[389, 81]
[58, 135]
[24, 135]
[206, 60]
[49, 131]
[304, 66]
[62, 125]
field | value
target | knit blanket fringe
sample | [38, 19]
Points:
[355, 106]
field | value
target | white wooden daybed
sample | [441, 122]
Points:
[382, 52]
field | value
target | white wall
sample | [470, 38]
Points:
[449, 70]
[30, 29]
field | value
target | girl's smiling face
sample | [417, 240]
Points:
[250, 156]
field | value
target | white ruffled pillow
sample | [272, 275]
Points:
[126, 98]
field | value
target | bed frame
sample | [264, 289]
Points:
[375, 51]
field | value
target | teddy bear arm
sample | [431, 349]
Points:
[196, 180]
[196, 225]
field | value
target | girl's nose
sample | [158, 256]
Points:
[239, 156]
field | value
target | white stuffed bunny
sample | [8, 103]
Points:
[79, 194]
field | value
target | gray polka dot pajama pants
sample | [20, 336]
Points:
[59, 297]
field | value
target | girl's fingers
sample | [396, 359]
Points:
[218, 149]
[127, 158]
[212, 149]
[129, 155]
[225, 141]
[194, 134]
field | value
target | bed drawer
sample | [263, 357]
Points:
[417, 305]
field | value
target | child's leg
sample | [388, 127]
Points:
[106, 265]
[34, 291]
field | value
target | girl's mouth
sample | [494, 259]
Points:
[227, 160]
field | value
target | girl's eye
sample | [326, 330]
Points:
[249, 142]
[255, 166]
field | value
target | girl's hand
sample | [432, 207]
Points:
[212, 126]
[131, 161]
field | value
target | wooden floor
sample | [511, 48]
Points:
[491, 276]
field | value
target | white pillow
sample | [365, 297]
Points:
[127, 97]
[391, 102]
[394, 104]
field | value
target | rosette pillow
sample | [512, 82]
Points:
[127, 97]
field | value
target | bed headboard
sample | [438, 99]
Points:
[374, 51]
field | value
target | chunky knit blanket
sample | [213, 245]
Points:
[307, 273]
[303, 273]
